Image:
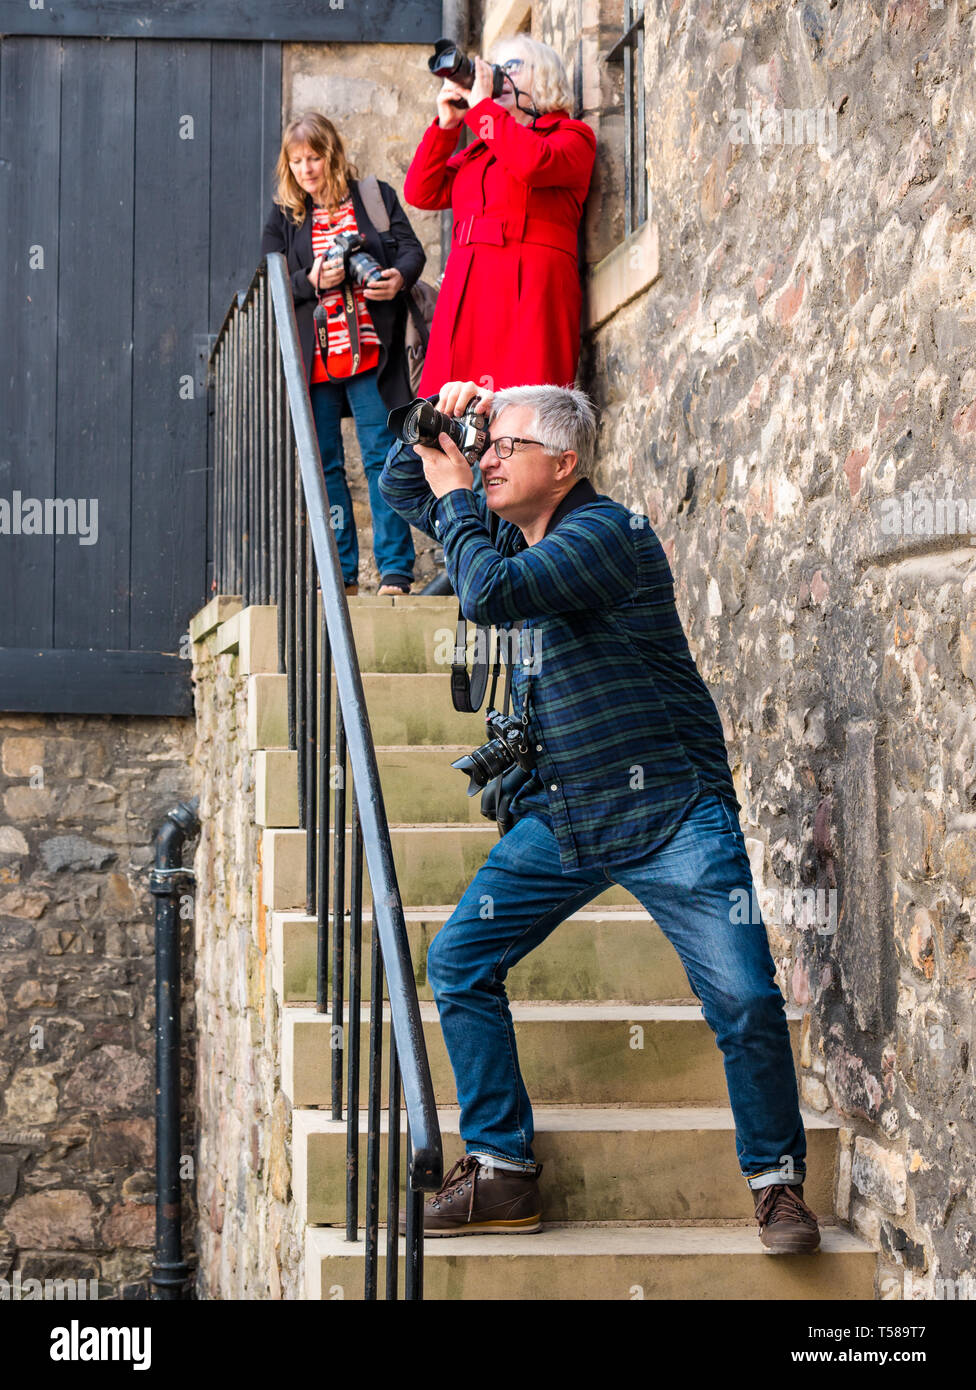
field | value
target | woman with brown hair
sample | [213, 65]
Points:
[363, 371]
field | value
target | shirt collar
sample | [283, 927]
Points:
[579, 495]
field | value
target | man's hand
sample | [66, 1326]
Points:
[456, 396]
[387, 287]
[445, 471]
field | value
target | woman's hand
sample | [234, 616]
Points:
[448, 115]
[387, 287]
[325, 275]
[484, 80]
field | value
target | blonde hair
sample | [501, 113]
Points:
[550, 89]
[317, 131]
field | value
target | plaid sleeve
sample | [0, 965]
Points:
[404, 487]
[588, 561]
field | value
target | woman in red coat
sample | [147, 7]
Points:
[508, 312]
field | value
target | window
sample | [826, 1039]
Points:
[629, 50]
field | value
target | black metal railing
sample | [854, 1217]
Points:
[274, 544]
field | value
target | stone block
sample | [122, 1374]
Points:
[58, 1220]
[880, 1174]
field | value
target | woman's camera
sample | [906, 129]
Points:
[449, 61]
[509, 746]
[420, 423]
[359, 265]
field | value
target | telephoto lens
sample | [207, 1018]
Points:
[361, 268]
[449, 61]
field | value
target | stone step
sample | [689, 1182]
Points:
[415, 633]
[411, 633]
[404, 710]
[599, 1164]
[434, 865]
[572, 1262]
[582, 1054]
[593, 955]
[419, 785]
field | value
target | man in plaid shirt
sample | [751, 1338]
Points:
[632, 786]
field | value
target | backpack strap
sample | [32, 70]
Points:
[369, 191]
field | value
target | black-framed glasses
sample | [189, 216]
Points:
[512, 65]
[504, 446]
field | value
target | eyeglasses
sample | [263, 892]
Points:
[513, 65]
[504, 447]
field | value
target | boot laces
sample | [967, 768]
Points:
[779, 1201]
[467, 1171]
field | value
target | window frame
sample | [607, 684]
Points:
[629, 50]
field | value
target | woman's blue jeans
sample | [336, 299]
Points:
[392, 543]
[689, 888]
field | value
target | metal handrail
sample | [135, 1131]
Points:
[273, 537]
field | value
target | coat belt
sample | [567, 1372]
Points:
[538, 231]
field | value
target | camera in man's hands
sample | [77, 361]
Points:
[449, 61]
[419, 422]
[360, 267]
[509, 746]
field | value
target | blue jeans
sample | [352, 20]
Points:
[392, 543]
[686, 886]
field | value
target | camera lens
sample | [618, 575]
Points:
[363, 268]
[485, 763]
[449, 61]
[422, 424]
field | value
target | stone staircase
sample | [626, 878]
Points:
[641, 1189]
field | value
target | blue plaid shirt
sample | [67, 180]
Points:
[625, 734]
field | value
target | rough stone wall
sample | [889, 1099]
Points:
[803, 364]
[381, 98]
[248, 1237]
[82, 799]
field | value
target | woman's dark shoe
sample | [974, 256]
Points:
[478, 1200]
[787, 1226]
[352, 588]
[394, 585]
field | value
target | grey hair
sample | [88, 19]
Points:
[564, 419]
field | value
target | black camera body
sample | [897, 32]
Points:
[418, 422]
[450, 61]
[508, 748]
[360, 267]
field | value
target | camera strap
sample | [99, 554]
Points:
[468, 688]
[352, 325]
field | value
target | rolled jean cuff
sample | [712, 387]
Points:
[526, 1163]
[770, 1176]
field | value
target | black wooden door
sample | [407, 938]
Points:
[135, 176]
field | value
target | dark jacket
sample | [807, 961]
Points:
[398, 248]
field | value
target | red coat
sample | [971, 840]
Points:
[508, 311]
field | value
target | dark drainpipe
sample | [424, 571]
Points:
[170, 1273]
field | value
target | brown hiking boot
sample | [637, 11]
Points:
[477, 1200]
[787, 1226]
